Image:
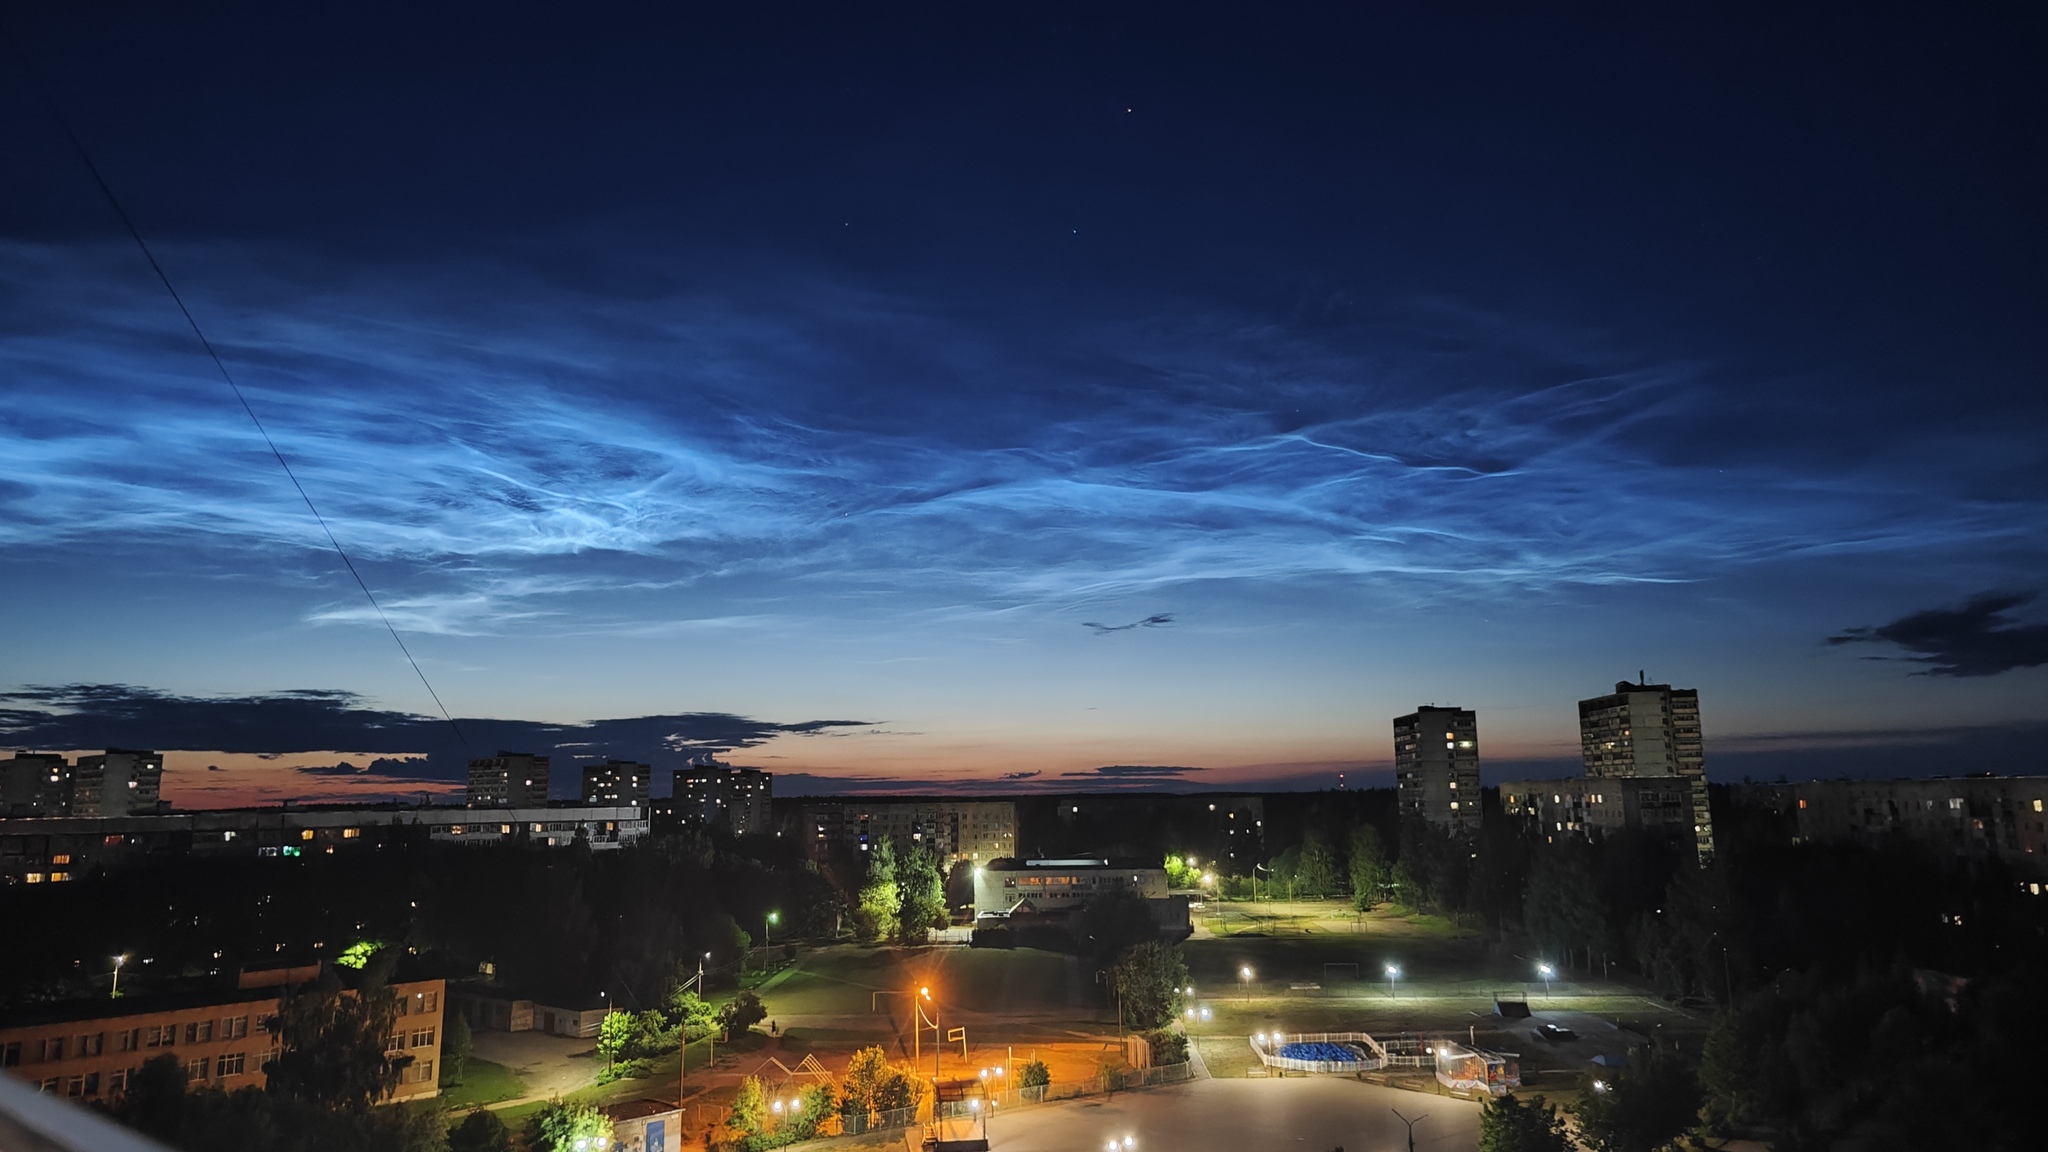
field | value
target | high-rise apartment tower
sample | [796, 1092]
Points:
[1436, 767]
[1650, 730]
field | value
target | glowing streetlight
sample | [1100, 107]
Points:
[118, 961]
[768, 924]
[1546, 971]
[1244, 976]
[1393, 974]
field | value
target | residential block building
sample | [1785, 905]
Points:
[721, 796]
[508, 780]
[1964, 816]
[1053, 886]
[116, 783]
[1436, 768]
[35, 784]
[1646, 730]
[56, 849]
[975, 831]
[616, 782]
[1580, 805]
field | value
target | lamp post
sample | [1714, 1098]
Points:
[118, 961]
[1256, 869]
[1244, 976]
[1546, 971]
[1393, 973]
[937, 1048]
[768, 922]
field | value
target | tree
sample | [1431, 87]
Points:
[1369, 872]
[559, 1125]
[458, 1044]
[1148, 979]
[749, 1110]
[1510, 1125]
[613, 1032]
[1180, 873]
[332, 1042]
[1652, 1102]
[922, 905]
[1562, 908]
[862, 1082]
[480, 1131]
[1315, 874]
[743, 1012]
[1110, 924]
[880, 899]
[1034, 1074]
[690, 1012]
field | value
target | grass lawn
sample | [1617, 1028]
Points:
[842, 980]
[483, 1083]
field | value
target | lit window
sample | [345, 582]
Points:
[59, 877]
[61, 858]
[351, 833]
[34, 878]
[306, 835]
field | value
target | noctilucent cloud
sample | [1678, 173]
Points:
[1041, 397]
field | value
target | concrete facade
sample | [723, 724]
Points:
[40, 850]
[1436, 768]
[616, 782]
[974, 831]
[1650, 730]
[740, 800]
[90, 1051]
[1054, 886]
[1581, 805]
[508, 780]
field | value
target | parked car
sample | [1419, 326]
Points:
[1553, 1034]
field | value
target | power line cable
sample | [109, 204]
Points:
[114, 202]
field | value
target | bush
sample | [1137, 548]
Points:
[1168, 1047]
[745, 1011]
[558, 1125]
[1034, 1074]
[480, 1131]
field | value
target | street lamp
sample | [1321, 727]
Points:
[1393, 973]
[118, 961]
[1546, 971]
[773, 919]
[1244, 976]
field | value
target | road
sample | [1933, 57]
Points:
[1296, 1115]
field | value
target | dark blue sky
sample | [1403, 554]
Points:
[825, 362]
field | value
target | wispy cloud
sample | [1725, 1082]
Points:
[513, 464]
[1159, 620]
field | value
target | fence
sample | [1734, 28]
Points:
[1017, 1097]
[1268, 1048]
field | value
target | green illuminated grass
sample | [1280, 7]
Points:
[483, 1082]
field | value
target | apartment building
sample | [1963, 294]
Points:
[1436, 768]
[616, 782]
[35, 784]
[89, 1050]
[714, 795]
[1966, 816]
[1645, 730]
[53, 850]
[116, 783]
[1584, 805]
[975, 831]
[508, 780]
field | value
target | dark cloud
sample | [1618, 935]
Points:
[409, 768]
[1977, 639]
[1133, 772]
[1020, 775]
[1158, 621]
[312, 720]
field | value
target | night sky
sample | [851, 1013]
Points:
[1073, 394]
